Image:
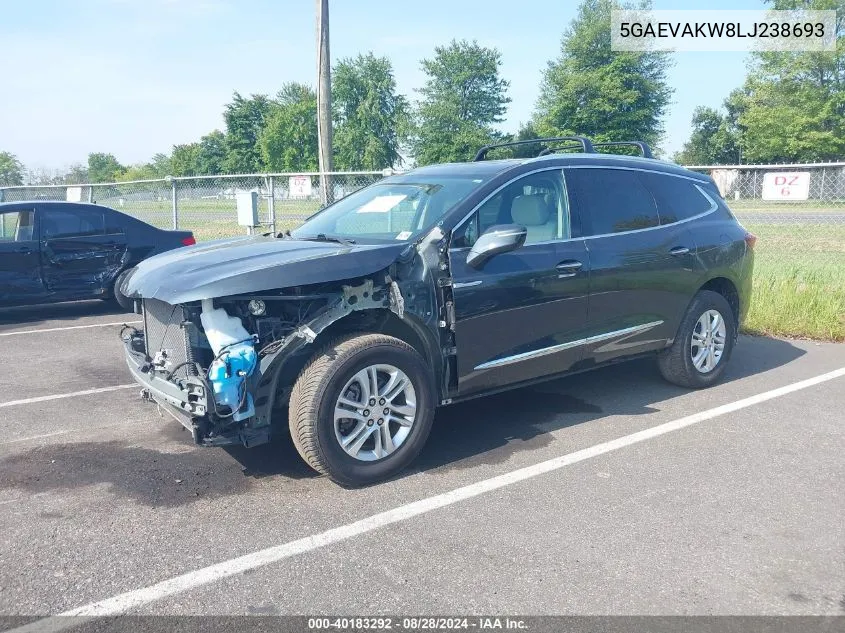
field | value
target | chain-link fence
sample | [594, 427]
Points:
[207, 205]
[797, 213]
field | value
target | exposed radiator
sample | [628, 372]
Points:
[165, 336]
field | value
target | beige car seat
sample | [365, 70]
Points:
[536, 215]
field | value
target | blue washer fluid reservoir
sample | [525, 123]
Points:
[235, 359]
[228, 376]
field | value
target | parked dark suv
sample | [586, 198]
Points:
[442, 284]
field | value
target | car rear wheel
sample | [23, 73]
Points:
[703, 346]
[362, 409]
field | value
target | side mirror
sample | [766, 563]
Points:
[501, 238]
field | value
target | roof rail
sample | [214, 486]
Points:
[553, 150]
[645, 150]
[585, 143]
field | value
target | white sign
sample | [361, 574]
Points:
[786, 185]
[381, 204]
[74, 194]
[300, 186]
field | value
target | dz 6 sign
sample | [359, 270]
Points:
[786, 185]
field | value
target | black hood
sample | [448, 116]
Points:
[252, 264]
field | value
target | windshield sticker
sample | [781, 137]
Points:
[404, 235]
[382, 204]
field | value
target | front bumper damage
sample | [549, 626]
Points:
[188, 395]
[188, 400]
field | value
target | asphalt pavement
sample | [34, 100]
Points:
[604, 493]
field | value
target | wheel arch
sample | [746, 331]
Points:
[728, 289]
[284, 371]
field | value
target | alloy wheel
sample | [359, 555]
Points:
[708, 341]
[375, 412]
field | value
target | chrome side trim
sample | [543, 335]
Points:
[628, 330]
[467, 284]
[507, 360]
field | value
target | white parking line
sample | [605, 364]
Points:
[69, 327]
[89, 429]
[35, 437]
[132, 599]
[59, 396]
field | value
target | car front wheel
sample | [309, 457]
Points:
[703, 346]
[362, 409]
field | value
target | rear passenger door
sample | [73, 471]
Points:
[79, 258]
[642, 272]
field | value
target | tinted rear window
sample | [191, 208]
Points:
[115, 223]
[677, 198]
[612, 200]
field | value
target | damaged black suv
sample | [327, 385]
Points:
[445, 283]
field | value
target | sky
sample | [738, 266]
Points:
[134, 77]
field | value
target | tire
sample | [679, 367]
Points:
[337, 371]
[122, 300]
[678, 365]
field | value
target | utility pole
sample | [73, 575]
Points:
[324, 101]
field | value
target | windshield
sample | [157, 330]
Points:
[390, 210]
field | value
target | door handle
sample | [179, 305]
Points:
[569, 264]
[679, 250]
[569, 268]
[25, 250]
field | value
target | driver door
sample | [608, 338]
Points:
[523, 314]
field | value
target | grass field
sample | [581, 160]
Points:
[799, 281]
[796, 207]
[799, 272]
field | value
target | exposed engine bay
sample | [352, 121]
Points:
[227, 357]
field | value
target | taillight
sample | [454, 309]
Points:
[188, 241]
[750, 239]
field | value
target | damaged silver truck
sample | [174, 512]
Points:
[445, 283]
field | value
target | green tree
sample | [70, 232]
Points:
[185, 160]
[245, 120]
[526, 132]
[289, 139]
[368, 113]
[11, 170]
[77, 174]
[792, 105]
[139, 171]
[714, 139]
[104, 168]
[462, 100]
[161, 165]
[212, 153]
[603, 94]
